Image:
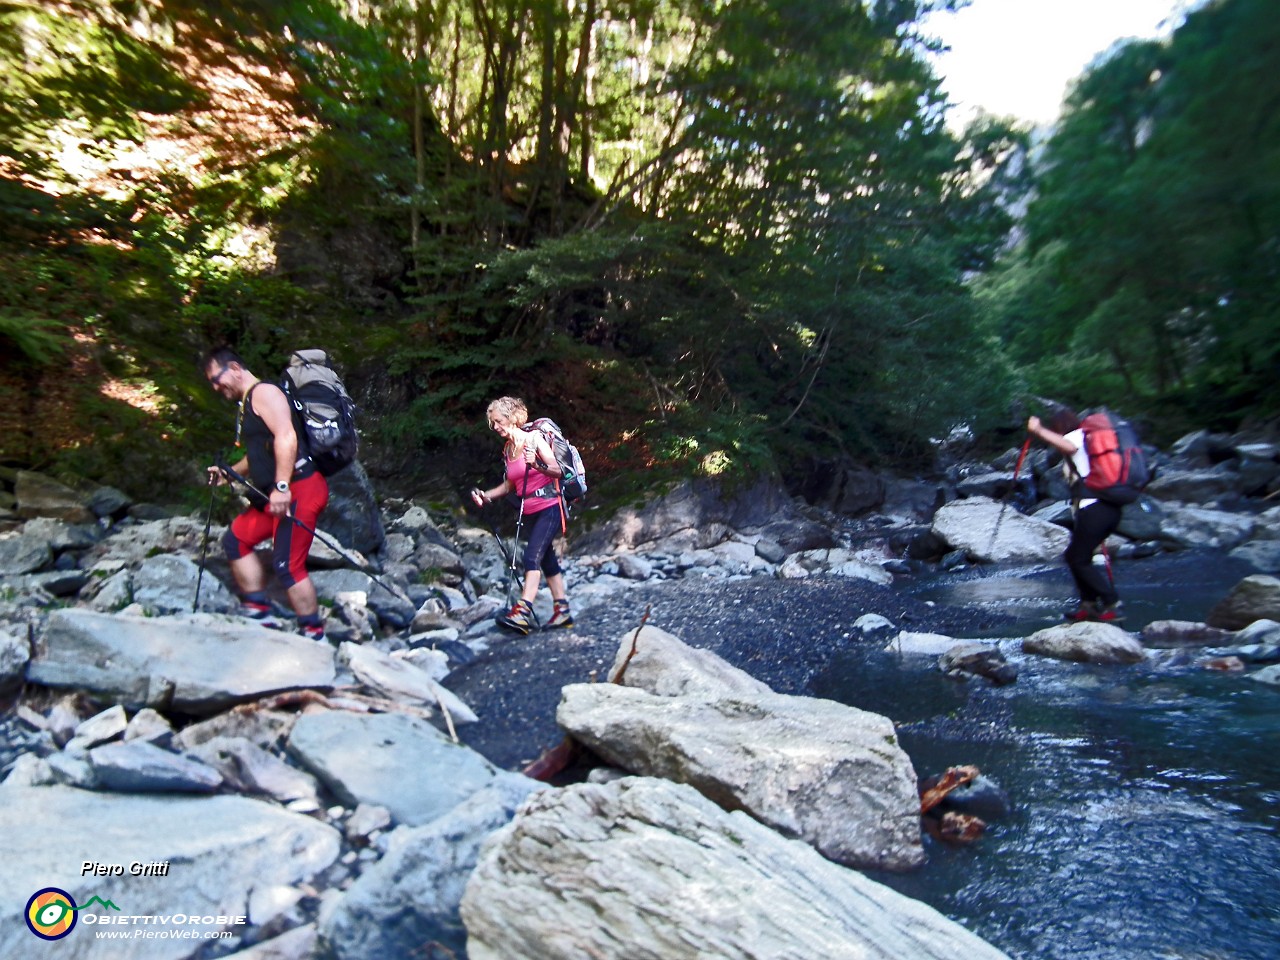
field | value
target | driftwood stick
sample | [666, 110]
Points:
[951, 778]
[617, 677]
[448, 720]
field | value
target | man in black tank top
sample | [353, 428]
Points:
[295, 491]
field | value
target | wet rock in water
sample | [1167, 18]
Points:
[1086, 643]
[1255, 597]
[1264, 632]
[980, 797]
[1262, 555]
[647, 868]
[1182, 633]
[978, 658]
[910, 643]
[1268, 675]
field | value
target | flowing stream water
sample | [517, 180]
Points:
[1146, 798]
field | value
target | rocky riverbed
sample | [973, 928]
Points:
[142, 711]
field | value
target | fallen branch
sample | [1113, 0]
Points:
[617, 677]
[933, 793]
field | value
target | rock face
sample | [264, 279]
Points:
[1253, 598]
[396, 761]
[648, 869]
[831, 775]
[240, 844]
[989, 531]
[1086, 643]
[199, 663]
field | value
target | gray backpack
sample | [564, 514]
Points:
[324, 414]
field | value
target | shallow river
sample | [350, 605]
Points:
[1146, 798]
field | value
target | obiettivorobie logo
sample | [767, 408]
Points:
[52, 913]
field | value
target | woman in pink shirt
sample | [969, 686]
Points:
[533, 475]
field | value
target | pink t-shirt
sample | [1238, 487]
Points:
[536, 480]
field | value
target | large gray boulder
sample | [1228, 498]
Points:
[352, 516]
[1254, 598]
[996, 533]
[389, 759]
[213, 850]
[821, 771]
[695, 509]
[199, 663]
[167, 584]
[660, 663]
[1194, 486]
[1201, 527]
[1086, 643]
[412, 895]
[41, 496]
[15, 651]
[649, 869]
[20, 553]
[1262, 555]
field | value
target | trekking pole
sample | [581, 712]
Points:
[1004, 500]
[337, 548]
[1106, 560]
[204, 545]
[508, 556]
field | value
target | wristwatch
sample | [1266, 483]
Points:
[282, 486]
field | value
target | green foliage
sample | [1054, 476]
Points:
[1150, 272]
[713, 237]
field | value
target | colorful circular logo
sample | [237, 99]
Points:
[51, 913]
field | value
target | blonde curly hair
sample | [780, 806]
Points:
[511, 409]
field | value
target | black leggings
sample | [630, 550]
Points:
[544, 527]
[1093, 524]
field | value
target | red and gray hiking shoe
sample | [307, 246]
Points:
[312, 631]
[260, 613]
[1111, 613]
[560, 617]
[520, 618]
[1085, 612]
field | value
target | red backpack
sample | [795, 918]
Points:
[1118, 469]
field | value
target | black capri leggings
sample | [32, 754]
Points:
[539, 554]
[1093, 524]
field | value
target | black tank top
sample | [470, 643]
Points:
[259, 447]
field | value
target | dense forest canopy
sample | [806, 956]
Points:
[707, 235]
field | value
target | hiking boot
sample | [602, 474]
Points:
[1111, 613]
[520, 618]
[1080, 614]
[260, 613]
[312, 631]
[560, 616]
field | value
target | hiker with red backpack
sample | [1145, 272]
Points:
[534, 476]
[1104, 461]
